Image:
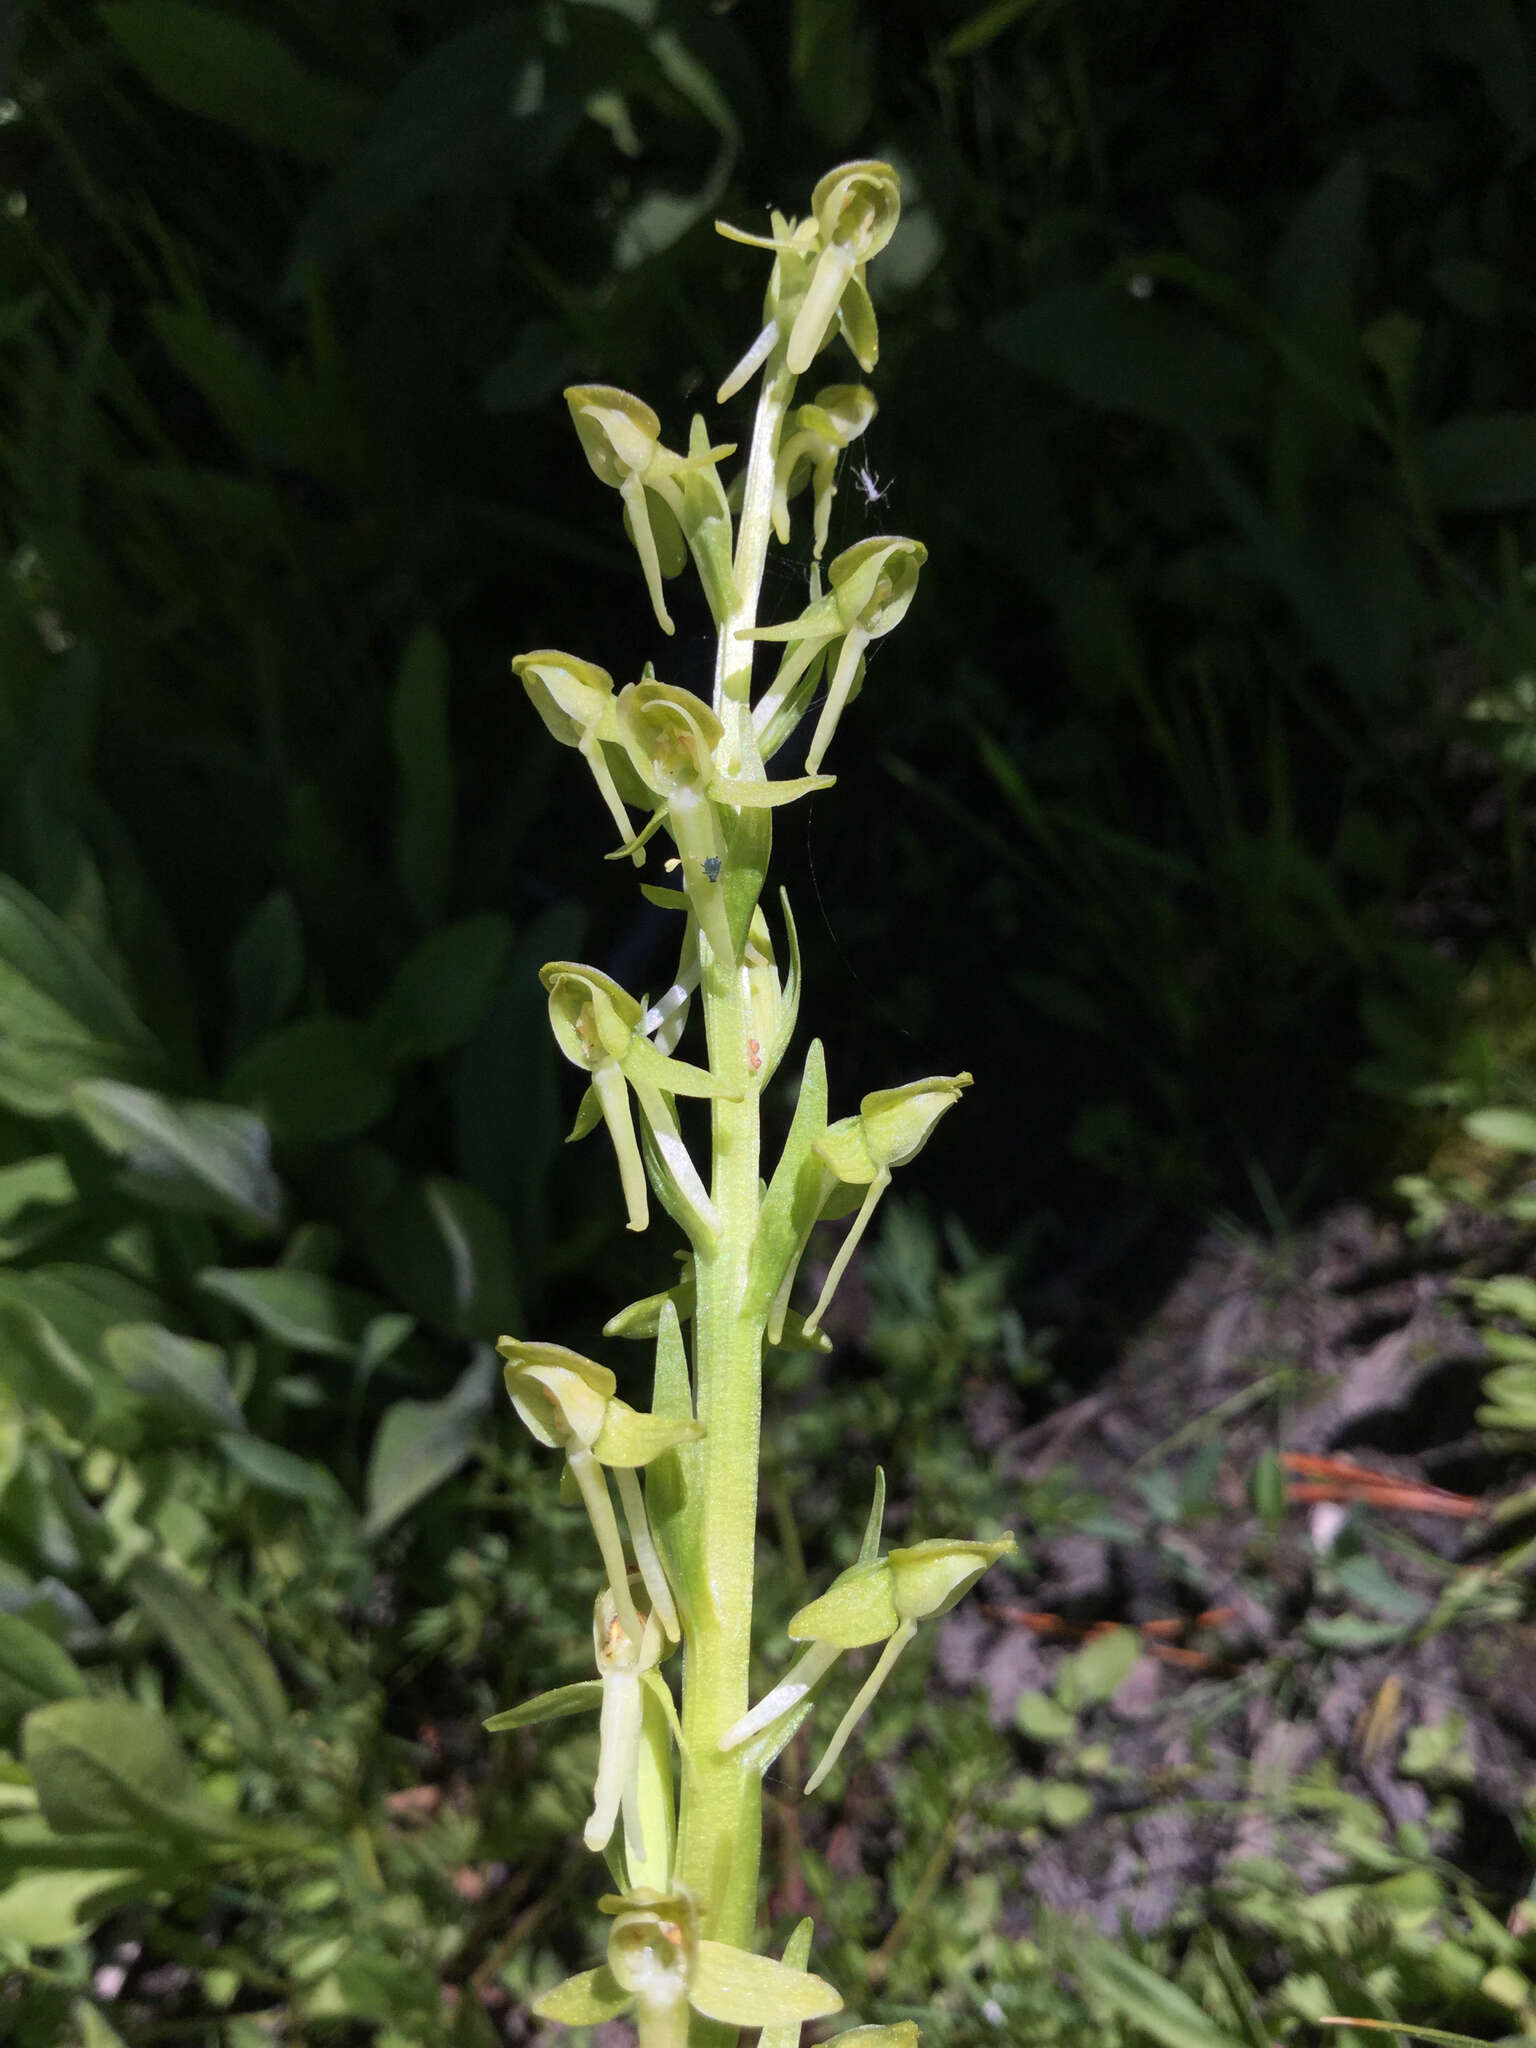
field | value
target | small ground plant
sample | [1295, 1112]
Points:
[682, 1839]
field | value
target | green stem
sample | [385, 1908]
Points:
[733, 665]
[720, 1822]
[718, 1840]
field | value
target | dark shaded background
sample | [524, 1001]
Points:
[1202, 343]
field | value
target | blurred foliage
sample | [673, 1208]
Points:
[1205, 354]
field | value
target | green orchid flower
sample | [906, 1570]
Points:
[636, 1714]
[816, 436]
[849, 1164]
[599, 1028]
[672, 503]
[571, 1404]
[660, 1968]
[674, 742]
[818, 275]
[872, 586]
[877, 1600]
[575, 700]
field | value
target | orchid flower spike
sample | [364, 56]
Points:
[660, 1968]
[575, 700]
[671, 501]
[598, 1026]
[570, 1404]
[817, 435]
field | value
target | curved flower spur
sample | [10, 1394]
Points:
[684, 1843]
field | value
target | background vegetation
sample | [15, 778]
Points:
[1190, 815]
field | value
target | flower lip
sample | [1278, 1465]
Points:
[593, 1018]
[670, 736]
[616, 1653]
[653, 1945]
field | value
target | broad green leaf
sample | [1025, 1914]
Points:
[240, 390]
[33, 1670]
[214, 63]
[475, 101]
[585, 1697]
[1312, 287]
[1144, 1998]
[1482, 462]
[1351, 1632]
[96, 2030]
[1514, 1130]
[202, 1156]
[32, 1192]
[56, 1319]
[318, 1079]
[1133, 355]
[831, 61]
[584, 2001]
[424, 762]
[52, 1908]
[310, 1311]
[743, 1990]
[1042, 1719]
[446, 1253]
[182, 1377]
[42, 951]
[1507, 1294]
[65, 1020]
[442, 993]
[223, 1660]
[419, 1444]
[1098, 1669]
[113, 1766]
[1064, 1804]
[266, 966]
[278, 1471]
[1368, 1582]
[42, 1370]
[13, 1431]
